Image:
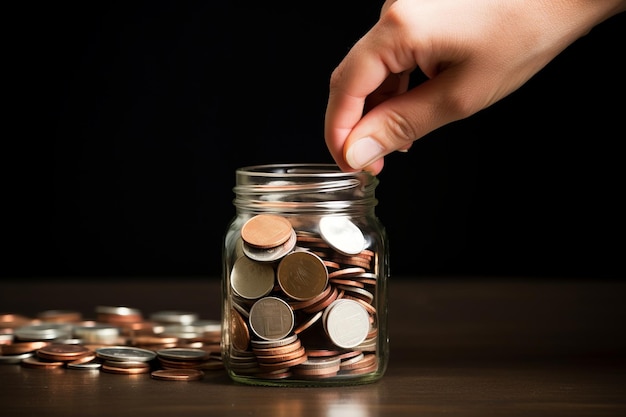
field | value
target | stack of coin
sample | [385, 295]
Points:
[188, 358]
[57, 355]
[125, 359]
[125, 346]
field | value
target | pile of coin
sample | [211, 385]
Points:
[302, 303]
[170, 345]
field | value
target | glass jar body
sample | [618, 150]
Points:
[305, 269]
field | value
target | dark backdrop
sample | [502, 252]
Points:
[126, 122]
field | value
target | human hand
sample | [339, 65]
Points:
[473, 53]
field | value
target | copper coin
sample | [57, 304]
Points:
[266, 230]
[113, 369]
[239, 331]
[34, 362]
[17, 348]
[177, 374]
[62, 352]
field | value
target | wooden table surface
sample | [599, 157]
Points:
[461, 347]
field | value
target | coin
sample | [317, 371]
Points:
[270, 254]
[177, 374]
[346, 322]
[62, 352]
[174, 316]
[33, 362]
[250, 279]
[239, 331]
[18, 348]
[125, 353]
[183, 354]
[271, 318]
[266, 230]
[343, 235]
[302, 275]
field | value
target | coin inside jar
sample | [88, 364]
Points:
[250, 279]
[271, 318]
[302, 275]
[343, 235]
[266, 230]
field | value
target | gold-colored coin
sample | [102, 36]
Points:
[302, 275]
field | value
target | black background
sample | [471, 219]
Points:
[125, 122]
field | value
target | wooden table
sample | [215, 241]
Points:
[463, 347]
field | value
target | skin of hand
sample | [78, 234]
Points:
[473, 53]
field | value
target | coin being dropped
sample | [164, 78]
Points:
[343, 235]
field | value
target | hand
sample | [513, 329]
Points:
[473, 53]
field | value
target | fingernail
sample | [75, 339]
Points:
[363, 152]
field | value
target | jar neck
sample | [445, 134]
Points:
[304, 188]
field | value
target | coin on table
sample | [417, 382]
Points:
[18, 348]
[177, 374]
[44, 331]
[62, 352]
[34, 362]
[125, 353]
[266, 230]
[302, 275]
[342, 235]
[174, 316]
[183, 354]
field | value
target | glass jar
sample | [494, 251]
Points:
[305, 268]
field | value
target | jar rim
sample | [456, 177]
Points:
[295, 170]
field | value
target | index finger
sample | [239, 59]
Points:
[360, 73]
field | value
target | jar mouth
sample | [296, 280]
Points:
[303, 186]
[297, 170]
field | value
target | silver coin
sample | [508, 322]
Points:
[16, 358]
[125, 354]
[182, 353]
[44, 331]
[97, 333]
[174, 317]
[84, 366]
[270, 254]
[346, 322]
[271, 318]
[342, 235]
[251, 279]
